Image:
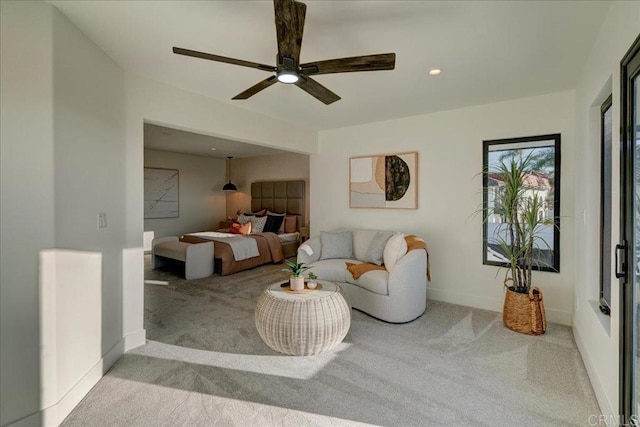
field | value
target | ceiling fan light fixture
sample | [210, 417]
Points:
[287, 76]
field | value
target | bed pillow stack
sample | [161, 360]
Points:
[265, 221]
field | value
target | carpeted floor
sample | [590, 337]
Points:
[205, 364]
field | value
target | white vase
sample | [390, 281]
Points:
[296, 283]
[312, 284]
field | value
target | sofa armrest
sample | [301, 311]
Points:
[410, 273]
[312, 245]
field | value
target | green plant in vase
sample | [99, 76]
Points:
[312, 282]
[296, 282]
[520, 238]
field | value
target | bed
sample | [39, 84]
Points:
[275, 196]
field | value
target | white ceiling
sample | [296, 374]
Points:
[488, 50]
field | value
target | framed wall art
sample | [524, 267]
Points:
[161, 193]
[388, 181]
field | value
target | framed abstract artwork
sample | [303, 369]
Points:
[387, 181]
[160, 193]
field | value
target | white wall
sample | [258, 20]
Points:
[449, 146]
[62, 155]
[27, 190]
[278, 167]
[88, 154]
[597, 335]
[71, 329]
[202, 201]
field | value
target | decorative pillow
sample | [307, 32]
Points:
[375, 253]
[273, 224]
[244, 218]
[290, 225]
[281, 229]
[336, 245]
[395, 249]
[258, 223]
[237, 228]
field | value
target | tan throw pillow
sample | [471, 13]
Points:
[290, 224]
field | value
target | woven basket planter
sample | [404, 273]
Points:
[524, 313]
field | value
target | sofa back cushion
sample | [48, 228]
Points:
[336, 245]
[361, 241]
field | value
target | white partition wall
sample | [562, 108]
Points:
[71, 329]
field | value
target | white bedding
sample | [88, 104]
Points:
[241, 247]
[289, 237]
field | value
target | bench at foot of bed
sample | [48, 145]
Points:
[197, 257]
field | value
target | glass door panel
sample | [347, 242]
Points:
[630, 274]
[632, 294]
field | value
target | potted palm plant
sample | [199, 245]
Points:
[296, 281]
[521, 241]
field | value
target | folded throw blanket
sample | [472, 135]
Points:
[415, 242]
[358, 270]
[242, 247]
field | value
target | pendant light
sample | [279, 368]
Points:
[229, 186]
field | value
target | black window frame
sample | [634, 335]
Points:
[605, 208]
[556, 138]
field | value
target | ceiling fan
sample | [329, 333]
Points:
[290, 16]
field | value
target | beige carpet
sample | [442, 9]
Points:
[205, 364]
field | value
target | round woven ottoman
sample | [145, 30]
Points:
[303, 323]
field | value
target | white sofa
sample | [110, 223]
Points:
[396, 296]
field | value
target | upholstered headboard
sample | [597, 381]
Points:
[279, 196]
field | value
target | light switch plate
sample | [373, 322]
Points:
[102, 220]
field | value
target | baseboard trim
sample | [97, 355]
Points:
[135, 339]
[55, 414]
[492, 304]
[28, 421]
[601, 396]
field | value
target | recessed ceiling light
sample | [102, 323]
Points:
[213, 149]
[434, 71]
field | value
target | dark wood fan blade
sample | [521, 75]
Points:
[256, 88]
[289, 28]
[385, 61]
[218, 58]
[316, 90]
